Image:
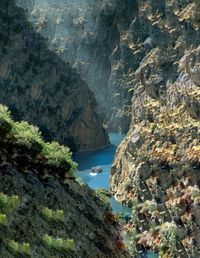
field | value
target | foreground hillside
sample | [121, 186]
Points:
[156, 170]
[44, 212]
[41, 88]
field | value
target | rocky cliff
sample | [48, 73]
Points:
[39, 87]
[91, 35]
[156, 170]
[44, 211]
[107, 40]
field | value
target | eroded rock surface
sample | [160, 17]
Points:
[106, 41]
[91, 35]
[156, 170]
[42, 89]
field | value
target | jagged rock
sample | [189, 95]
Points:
[86, 34]
[165, 106]
[143, 170]
[41, 88]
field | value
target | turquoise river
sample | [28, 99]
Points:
[104, 159]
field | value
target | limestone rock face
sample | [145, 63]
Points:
[156, 169]
[39, 87]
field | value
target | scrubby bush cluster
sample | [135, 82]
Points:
[19, 248]
[29, 136]
[54, 215]
[8, 203]
[58, 243]
[3, 219]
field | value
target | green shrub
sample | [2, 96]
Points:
[58, 243]
[128, 185]
[3, 219]
[104, 195]
[17, 248]
[150, 205]
[186, 168]
[58, 155]
[154, 168]
[5, 114]
[57, 215]
[5, 121]
[8, 203]
[169, 233]
[26, 134]
[153, 127]
[133, 239]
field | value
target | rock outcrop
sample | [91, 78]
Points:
[44, 211]
[40, 88]
[156, 170]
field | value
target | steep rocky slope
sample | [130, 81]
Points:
[156, 170]
[90, 35]
[107, 40]
[41, 88]
[44, 211]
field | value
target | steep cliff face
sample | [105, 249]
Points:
[91, 36]
[107, 40]
[156, 170]
[41, 88]
[44, 211]
[73, 32]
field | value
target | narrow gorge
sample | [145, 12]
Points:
[113, 85]
[40, 88]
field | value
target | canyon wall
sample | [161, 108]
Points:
[141, 60]
[156, 169]
[92, 36]
[41, 88]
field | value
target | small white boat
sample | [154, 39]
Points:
[97, 170]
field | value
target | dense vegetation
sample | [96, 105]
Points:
[29, 136]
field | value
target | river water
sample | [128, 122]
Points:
[103, 158]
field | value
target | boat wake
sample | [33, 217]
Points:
[93, 174]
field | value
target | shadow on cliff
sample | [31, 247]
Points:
[41, 88]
